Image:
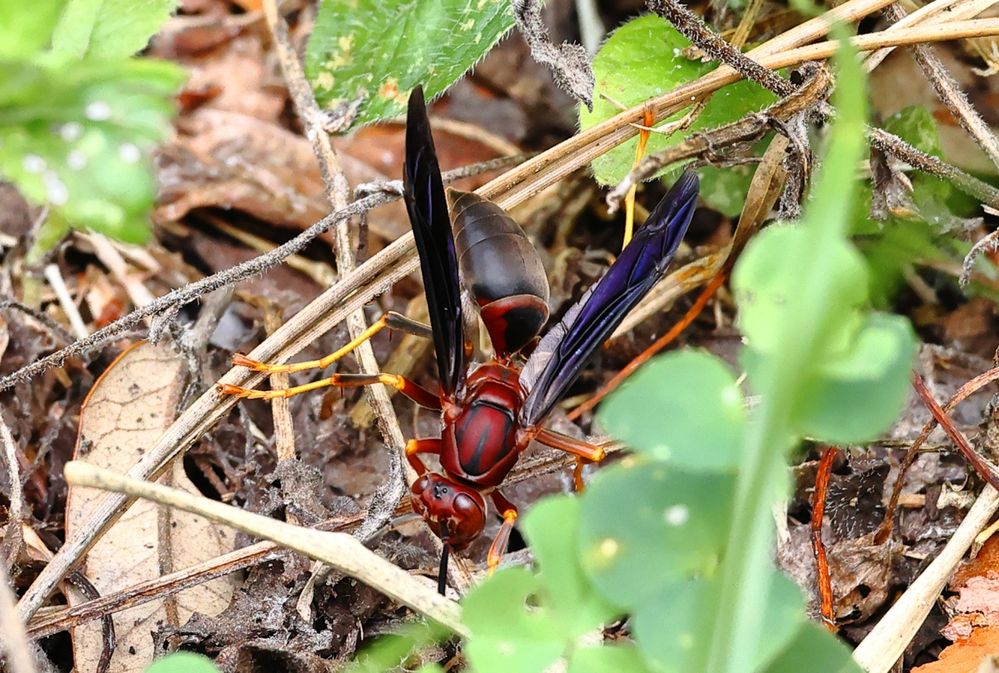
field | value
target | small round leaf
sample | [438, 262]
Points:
[638, 511]
[684, 408]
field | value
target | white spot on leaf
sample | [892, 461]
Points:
[55, 191]
[129, 153]
[677, 515]
[98, 111]
[32, 163]
[71, 131]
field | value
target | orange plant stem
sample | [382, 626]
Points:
[818, 512]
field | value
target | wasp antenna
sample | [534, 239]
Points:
[442, 570]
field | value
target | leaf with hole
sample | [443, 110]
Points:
[552, 528]
[508, 632]
[373, 52]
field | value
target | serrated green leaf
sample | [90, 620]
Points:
[376, 51]
[617, 658]
[642, 59]
[640, 510]
[182, 662]
[108, 29]
[552, 528]
[26, 27]
[684, 408]
[507, 633]
[814, 650]
[854, 397]
[80, 139]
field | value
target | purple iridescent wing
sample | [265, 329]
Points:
[560, 356]
[423, 190]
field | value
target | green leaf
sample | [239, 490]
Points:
[79, 139]
[376, 51]
[642, 59]
[108, 29]
[768, 277]
[916, 126]
[642, 510]
[182, 662]
[725, 189]
[507, 634]
[26, 27]
[683, 407]
[617, 658]
[854, 397]
[672, 626]
[814, 650]
[391, 651]
[552, 528]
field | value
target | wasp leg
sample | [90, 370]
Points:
[412, 390]
[416, 446]
[585, 452]
[391, 320]
[498, 547]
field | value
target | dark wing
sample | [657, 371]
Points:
[423, 190]
[560, 356]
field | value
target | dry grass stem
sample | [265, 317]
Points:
[340, 550]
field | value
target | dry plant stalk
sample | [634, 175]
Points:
[340, 550]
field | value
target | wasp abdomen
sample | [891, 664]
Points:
[501, 269]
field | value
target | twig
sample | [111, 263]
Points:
[12, 538]
[949, 93]
[339, 550]
[115, 263]
[967, 183]
[986, 244]
[69, 617]
[930, 14]
[694, 29]
[569, 63]
[48, 323]
[963, 393]
[883, 646]
[977, 462]
[337, 190]
[750, 127]
[14, 644]
[65, 300]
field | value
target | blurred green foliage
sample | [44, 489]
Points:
[79, 117]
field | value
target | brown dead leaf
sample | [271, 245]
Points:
[976, 605]
[233, 161]
[966, 656]
[127, 410]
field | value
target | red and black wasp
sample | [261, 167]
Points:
[491, 412]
